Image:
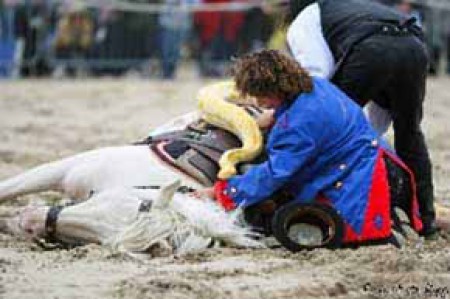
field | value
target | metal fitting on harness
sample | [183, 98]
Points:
[395, 30]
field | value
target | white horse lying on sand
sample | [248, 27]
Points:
[112, 211]
[103, 181]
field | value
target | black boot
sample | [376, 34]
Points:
[430, 230]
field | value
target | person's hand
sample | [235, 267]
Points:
[266, 119]
[203, 193]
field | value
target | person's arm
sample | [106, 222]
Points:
[291, 150]
[308, 45]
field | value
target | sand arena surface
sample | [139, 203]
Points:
[41, 121]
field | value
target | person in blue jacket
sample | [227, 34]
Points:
[319, 146]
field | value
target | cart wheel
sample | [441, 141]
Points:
[307, 226]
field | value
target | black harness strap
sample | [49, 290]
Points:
[181, 189]
[50, 223]
[49, 241]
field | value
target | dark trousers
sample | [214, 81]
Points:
[391, 70]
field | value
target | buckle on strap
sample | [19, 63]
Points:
[145, 206]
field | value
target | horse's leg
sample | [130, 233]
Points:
[95, 170]
[44, 177]
[51, 176]
[71, 175]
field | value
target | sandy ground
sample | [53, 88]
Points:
[45, 120]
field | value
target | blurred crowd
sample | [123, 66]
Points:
[436, 26]
[67, 38]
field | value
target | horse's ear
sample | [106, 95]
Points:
[166, 194]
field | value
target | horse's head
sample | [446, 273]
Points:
[133, 220]
[180, 223]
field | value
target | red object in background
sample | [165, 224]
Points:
[213, 23]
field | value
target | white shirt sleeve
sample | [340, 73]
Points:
[308, 45]
[379, 118]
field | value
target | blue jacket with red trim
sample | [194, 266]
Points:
[321, 145]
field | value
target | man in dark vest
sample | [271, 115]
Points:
[374, 54]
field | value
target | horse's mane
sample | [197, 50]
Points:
[187, 225]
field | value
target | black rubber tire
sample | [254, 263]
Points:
[321, 215]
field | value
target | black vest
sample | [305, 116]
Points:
[346, 22]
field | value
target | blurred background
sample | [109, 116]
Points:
[154, 38]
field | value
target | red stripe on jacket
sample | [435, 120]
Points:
[377, 218]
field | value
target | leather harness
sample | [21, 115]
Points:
[195, 154]
[196, 150]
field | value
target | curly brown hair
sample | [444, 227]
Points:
[270, 73]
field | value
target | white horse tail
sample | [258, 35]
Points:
[44, 177]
